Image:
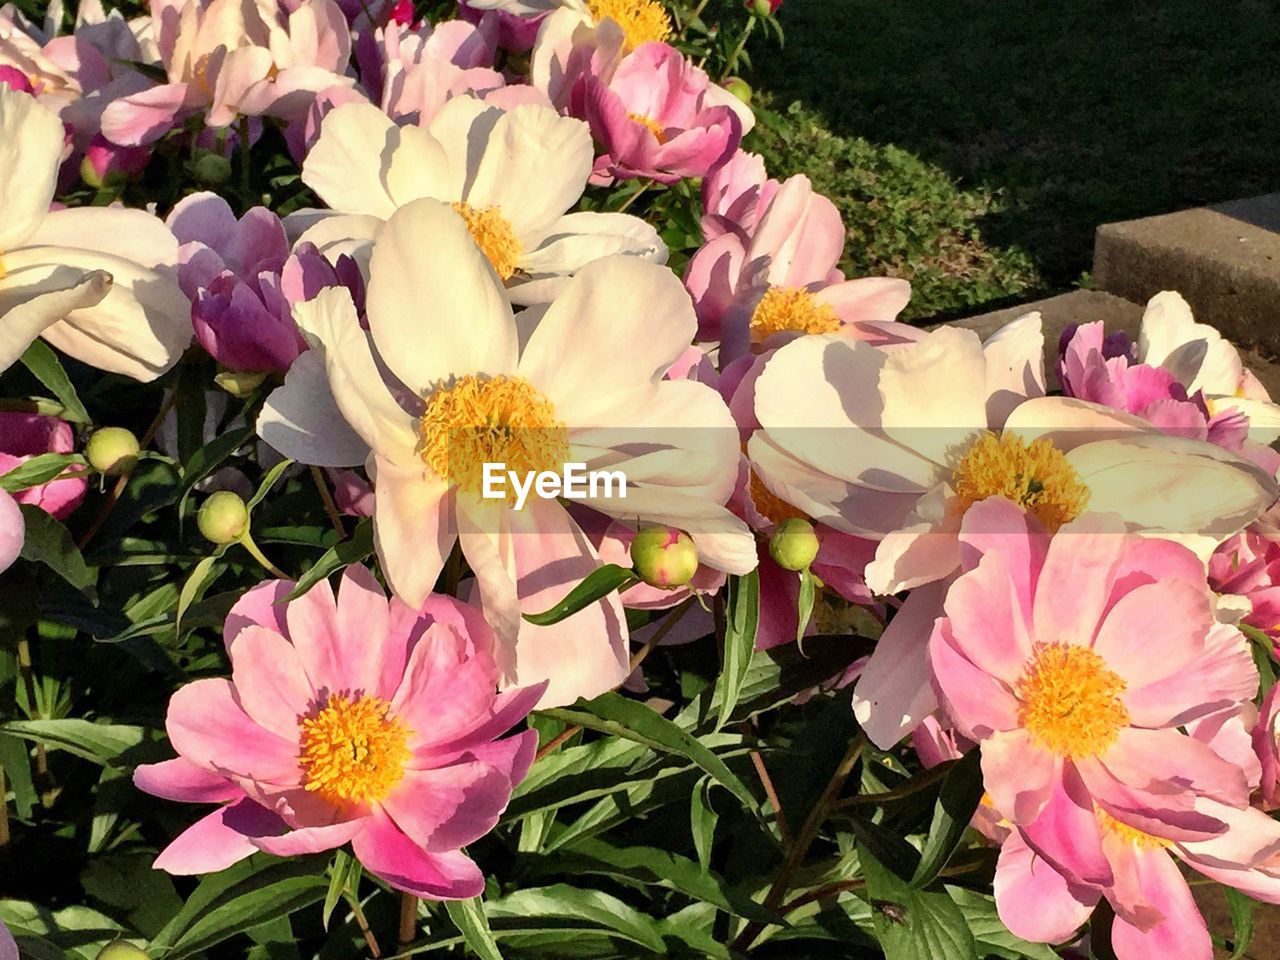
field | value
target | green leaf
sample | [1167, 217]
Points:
[40, 359]
[48, 542]
[247, 895]
[804, 604]
[201, 576]
[38, 470]
[702, 821]
[1241, 908]
[468, 916]
[573, 907]
[208, 458]
[614, 714]
[103, 743]
[268, 481]
[957, 802]
[357, 548]
[599, 583]
[914, 924]
[742, 613]
[342, 871]
[992, 936]
[16, 763]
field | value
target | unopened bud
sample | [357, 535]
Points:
[212, 169]
[794, 545]
[739, 88]
[112, 450]
[664, 556]
[121, 950]
[239, 384]
[223, 518]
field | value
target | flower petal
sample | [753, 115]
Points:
[385, 851]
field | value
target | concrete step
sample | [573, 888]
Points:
[1224, 259]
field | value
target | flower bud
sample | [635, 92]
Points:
[794, 545]
[121, 950]
[764, 8]
[223, 518]
[239, 384]
[664, 556]
[106, 164]
[112, 450]
[212, 169]
[739, 88]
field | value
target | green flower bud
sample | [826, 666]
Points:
[794, 545]
[112, 450]
[212, 169]
[237, 383]
[664, 556]
[739, 88]
[223, 518]
[121, 950]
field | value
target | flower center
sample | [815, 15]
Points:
[477, 420]
[1036, 476]
[1135, 836]
[493, 235]
[642, 21]
[352, 751]
[769, 505]
[791, 309]
[1070, 700]
[653, 126]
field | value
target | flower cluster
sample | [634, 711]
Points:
[450, 251]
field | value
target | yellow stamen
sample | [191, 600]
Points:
[652, 126]
[791, 309]
[1035, 476]
[1070, 701]
[1125, 832]
[769, 505]
[493, 235]
[352, 751]
[642, 21]
[474, 421]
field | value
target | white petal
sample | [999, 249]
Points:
[31, 141]
[1193, 352]
[1015, 366]
[302, 420]
[436, 308]
[364, 163]
[462, 127]
[605, 343]
[132, 234]
[24, 319]
[413, 529]
[575, 240]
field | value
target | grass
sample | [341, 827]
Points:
[973, 146]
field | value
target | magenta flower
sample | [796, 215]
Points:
[348, 719]
[1248, 566]
[1036, 660]
[656, 115]
[27, 435]
[231, 270]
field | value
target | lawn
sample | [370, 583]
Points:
[973, 147]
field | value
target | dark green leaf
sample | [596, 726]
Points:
[992, 936]
[40, 359]
[914, 924]
[573, 906]
[742, 618]
[48, 542]
[102, 743]
[599, 583]
[616, 715]
[957, 801]
[208, 458]
[468, 916]
[702, 821]
[1241, 908]
[804, 603]
[357, 548]
[38, 470]
[341, 873]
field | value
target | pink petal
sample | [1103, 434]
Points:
[387, 852]
[989, 624]
[1182, 934]
[1220, 676]
[144, 117]
[208, 727]
[306, 840]
[1034, 900]
[179, 779]
[444, 692]
[977, 703]
[270, 682]
[368, 652]
[1020, 776]
[214, 842]
[263, 606]
[1079, 570]
[1175, 617]
[1067, 833]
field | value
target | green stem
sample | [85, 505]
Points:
[246, 541]
[732, 65]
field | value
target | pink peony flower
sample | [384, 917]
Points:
[655, 115]
[768, 271]
[12, 530]
[1036, 660]
[347, 719]
[1248, 566]
[1266, 746]
[27, 435]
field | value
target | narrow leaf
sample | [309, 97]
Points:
[357, 548]
[599, 583]
[957, 801]
[47, 541]
[468, 916]
[804, 604]
[44, 364]
[1241, 908]
[38, 470]
[742, 613]
[102, 743]
[702, 821]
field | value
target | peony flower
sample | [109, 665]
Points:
[1266, 746]
[347, 719]
[768, 270]
[227, 58]
[511, 177]
[12, 530]
[1155, 912]
[231, 270]
[896, 445]
[655, 114]
[91, 281]
[423, 391]
[1247, 566]
[27, 435]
